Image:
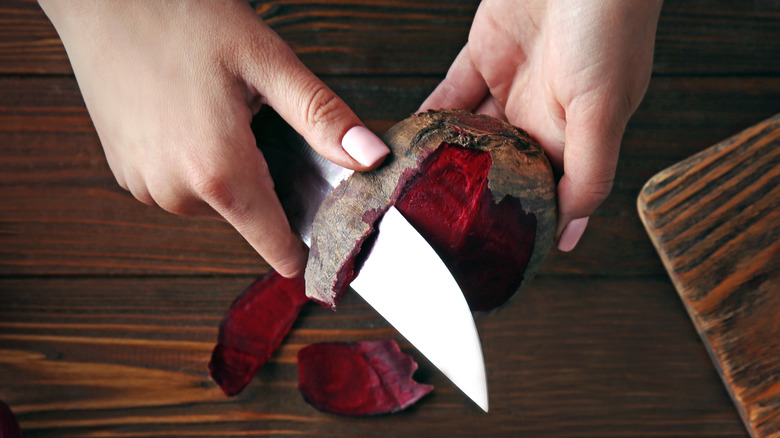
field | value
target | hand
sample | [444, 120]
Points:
[172, 87]
[570, 73]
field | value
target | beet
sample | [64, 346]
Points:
[486, 245]
[9, 427]
[254, 326]
[479, 190]
[363, 378]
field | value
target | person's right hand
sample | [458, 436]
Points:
[172, 87]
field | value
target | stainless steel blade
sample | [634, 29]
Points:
[407, 283]
[302, 177]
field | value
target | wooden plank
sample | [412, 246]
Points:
[715, 220]
[344, 37]
[28, 42]
[704, 37]
[733, 37]
[123, 356]
[62, 212]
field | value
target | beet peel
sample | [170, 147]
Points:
[479, 190]
[362, 378]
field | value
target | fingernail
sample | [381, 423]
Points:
[362, 145]
[572, 234]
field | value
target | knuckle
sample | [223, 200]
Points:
[214, 187]
[118, 176]
[177, 207]
[323, 105]
[169, 200]
[122, 183]
[290, 266]
[147, 200]
[599, 190]
[289, 269]
[136, 186]
[141, 193]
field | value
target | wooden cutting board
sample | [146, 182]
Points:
[715, 220]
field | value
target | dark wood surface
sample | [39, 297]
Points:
[109, 308]
[715, 220]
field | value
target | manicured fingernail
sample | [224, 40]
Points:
[362, 145]
[572, 234]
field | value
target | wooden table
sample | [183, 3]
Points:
[109, 308]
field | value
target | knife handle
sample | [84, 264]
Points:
[302, 177]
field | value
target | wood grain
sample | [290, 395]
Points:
[715, 219]
[102, 356]
[109, 308]
[702, 37]
[421, 38]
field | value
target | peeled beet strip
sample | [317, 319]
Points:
[485, 200]
[486, 245]
[363, 378]
[253, 328]
[9, 427]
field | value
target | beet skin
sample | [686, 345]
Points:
[479, 190]
[253, 328]
[363, 378]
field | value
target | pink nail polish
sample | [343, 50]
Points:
[572, 234]
[362, 145]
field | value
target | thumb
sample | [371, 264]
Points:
[314, 110]
[462, 88]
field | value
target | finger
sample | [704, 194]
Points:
[490, 106]
[169, 192]
[116, 169]
[590, 155]
[238, 186]
[135, 184]
[462, 88]
[313, 109]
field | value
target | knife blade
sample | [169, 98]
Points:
[423, 302]
[403, 278]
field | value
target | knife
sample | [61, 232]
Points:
[439, 324]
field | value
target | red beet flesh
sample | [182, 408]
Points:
[9, 427]
[486, 245]
[254, 326]
[363, 378]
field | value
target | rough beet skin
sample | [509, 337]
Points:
[479, 190]
[253, 328]
[363, 378]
